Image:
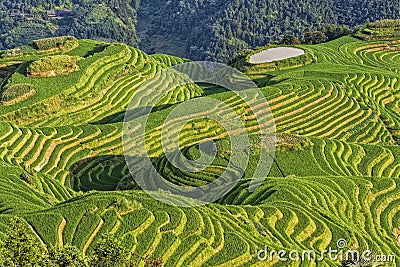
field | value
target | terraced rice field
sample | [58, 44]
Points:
[334, 175]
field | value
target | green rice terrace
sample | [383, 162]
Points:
[334, 175]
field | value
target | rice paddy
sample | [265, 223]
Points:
[334, 175]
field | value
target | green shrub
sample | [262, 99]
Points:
[66, 256]
[16, 91]
[52, 65]
[109, 252]
[62, 42]
[19, 247]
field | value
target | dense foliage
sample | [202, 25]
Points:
[215, 30]
[109, 253]
[24, 21]
[380, 30]
[65, 42]
[66, 256]
[20, 248]
[220, 29]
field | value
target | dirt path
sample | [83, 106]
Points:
[60, 232]
[91, 238]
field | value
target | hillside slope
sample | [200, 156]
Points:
[334, 175]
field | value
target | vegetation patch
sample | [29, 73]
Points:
[16, 93]
[380, 30]
[291, 142]
[6, 70]
[18, 52]
[47, 45]
[337, 160]
[64, 43]
[52, 66]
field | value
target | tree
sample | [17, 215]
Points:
[308, 35]
[67, 256]
[316, 37]
[19, 247]
[290, 39]
[319, 37]
[109, 252]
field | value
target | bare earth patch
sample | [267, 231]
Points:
[275, 54]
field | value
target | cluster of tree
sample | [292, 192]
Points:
[52, 43]
[213, 30]
[221, 29]
[24, 21]
[386, 23]
[379, 30]
[20, 248]
[324, 34]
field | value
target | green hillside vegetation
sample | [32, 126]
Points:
[216, 30]
[63, 43]
[21, 22]
[335, 173]
[52, 66]
[220, 30]
[380, 30]
[42, 46]
[16, 93]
